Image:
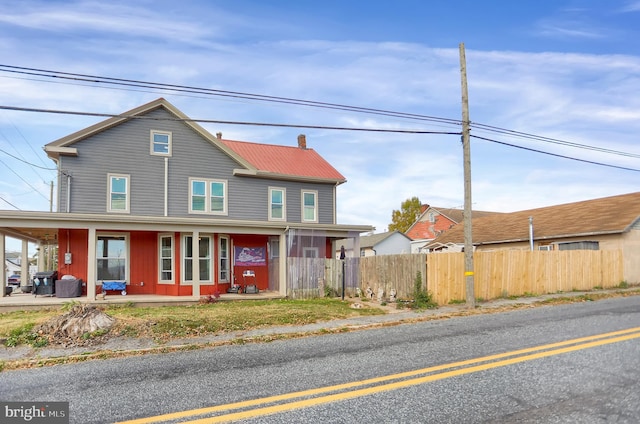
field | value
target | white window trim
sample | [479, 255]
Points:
[173, 259]
[284, 203]
[314, 251]
[207, 195]
[219, 258]
[183, 250]
[127, 193]
[127, 256]
[315, 210]
[151, 143]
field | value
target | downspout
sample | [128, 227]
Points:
[166, 186]
[68, 206]
[531, 233]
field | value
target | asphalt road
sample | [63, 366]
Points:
[554, 364]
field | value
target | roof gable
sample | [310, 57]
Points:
[257, 160]
[375, 239]
[608, 215]
[446, 218]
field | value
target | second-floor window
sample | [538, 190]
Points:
[208, 196]
[118, 200]
[277, 210]
[310, 206]
[160, 143]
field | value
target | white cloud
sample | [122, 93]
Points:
[583, 98]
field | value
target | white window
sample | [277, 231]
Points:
[310, 252]
[203, 255]
[274, 247]
[111, 258]
[310, 206]
[223, 259]
[277, 207]
[208, 196]
[166, 258]
[118, 199]
[160, 143]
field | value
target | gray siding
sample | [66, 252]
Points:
[394, 244]
[124, 149]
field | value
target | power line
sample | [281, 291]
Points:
[215, 92]
[39, 110]
[94, 79]
[28, 163]
[215, 121]
[25, 181]
[555, 154]
[9, 203]
[524, 135]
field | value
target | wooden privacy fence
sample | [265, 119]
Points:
[392, 272]
[313, 277]
[498, 274]
[506, 273]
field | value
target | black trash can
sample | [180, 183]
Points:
[44, 283]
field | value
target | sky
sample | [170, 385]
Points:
[565, 73]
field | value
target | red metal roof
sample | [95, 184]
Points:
[285, 160]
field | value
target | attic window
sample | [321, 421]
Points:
[160, 143]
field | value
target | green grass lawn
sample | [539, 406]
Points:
[164, 323]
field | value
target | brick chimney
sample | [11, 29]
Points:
[219, 135]
[302, 141]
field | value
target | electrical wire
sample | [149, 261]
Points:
[28, 163]
[94, 79]
[9, 203]
[25, 181]
[215, 121]
[554, 154]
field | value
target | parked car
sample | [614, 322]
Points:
[13, 280]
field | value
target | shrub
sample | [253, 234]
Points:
[421, 298]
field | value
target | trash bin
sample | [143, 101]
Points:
[44, 283]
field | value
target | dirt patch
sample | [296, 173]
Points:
[82, 325]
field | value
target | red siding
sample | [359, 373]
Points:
[262, 272]
[74, 242]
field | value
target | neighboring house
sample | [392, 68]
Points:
[434, 221]
[598, 224]
[389, 243]
[152, 199]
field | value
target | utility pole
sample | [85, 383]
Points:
[466, 152]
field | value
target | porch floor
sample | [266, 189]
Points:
[26, 301]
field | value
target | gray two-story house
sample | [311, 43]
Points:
[149, 198]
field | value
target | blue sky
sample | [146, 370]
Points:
[567, 70]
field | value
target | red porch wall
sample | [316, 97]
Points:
[74, 242]
[143, 262]
[262, 272]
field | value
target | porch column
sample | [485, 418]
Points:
[282, 289]
[195, 266]
[91, 265]
[40, 257]
[24, 263]
[3, 268]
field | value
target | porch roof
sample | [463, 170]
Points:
[42, 227]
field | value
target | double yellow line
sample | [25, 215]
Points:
[306, 398]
